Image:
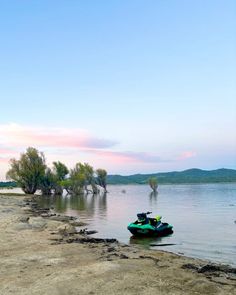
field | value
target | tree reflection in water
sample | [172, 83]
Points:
[75, 204]
[153, 198]
[61, 203]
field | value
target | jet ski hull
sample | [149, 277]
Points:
[161, 230]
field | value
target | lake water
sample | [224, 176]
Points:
[203, 216]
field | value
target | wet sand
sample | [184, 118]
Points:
[42, 254]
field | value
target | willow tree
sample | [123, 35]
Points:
[90, 177]
[28, 171]
[102, 178]
[80, 178]
[47, 182]
[76, 182]
[152, 181]
[87, 171]
[51, 180]
[60, 172]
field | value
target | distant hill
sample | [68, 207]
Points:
[7, 184]
[187, 176]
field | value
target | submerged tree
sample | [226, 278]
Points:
[102, 178]
[76, 182]
[90, 177]
[60, 172]
[152, 181]
[28, 171]
[88, 173]
[31, 173]
[81, 177]
[47, 182]
[51, 180]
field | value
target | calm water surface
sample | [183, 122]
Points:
[202, 215]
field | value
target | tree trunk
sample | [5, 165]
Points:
[28, 191]
[58, 190]
[95, 189]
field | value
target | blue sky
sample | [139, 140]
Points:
[147, 86]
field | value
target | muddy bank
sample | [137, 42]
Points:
[42, 253]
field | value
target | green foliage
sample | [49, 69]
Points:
[67, 185]
[102, 178]
[60, 170]
[75, 184]
[88, 173]
[28, 171]
[82, 176]
[90, 177]
[31, 173]
[152, 181]
[47, 182]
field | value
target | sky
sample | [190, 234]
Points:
[130, 86]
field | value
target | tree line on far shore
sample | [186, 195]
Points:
[31, 173]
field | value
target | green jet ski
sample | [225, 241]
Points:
[145, 226]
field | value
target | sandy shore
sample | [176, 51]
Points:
[43, 255]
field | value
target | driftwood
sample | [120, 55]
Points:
[161, 245]
[210, 268]
[91, 240]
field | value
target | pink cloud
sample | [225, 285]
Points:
[187, 155]
[4, 151]
[22, 136]
[4, 160]
[126, 157]
[66, 141]
[6, 154]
